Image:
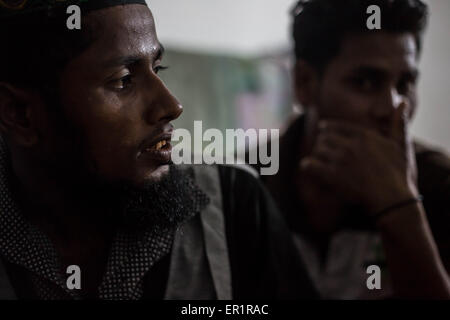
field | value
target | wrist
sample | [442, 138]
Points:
[401, 214]
[391, 197]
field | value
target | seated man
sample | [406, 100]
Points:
[85, 177]
[350, 179]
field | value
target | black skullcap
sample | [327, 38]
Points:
[36, 41]
[20, 8]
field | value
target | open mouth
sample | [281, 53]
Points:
[159, 150]
[160, 145]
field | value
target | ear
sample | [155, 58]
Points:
[306, 83]
[16, 115]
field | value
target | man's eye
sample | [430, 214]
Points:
[160, 68]
[406, 86]
[122, 83]
[364, 83]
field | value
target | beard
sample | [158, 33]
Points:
[155, 205]
[160, 205]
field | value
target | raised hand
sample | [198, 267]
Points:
[363, 165]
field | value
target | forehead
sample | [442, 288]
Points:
[388, 51]
[121, 30]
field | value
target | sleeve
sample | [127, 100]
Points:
[264, 262]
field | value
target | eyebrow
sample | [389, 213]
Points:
[380, 72]
[370, 71]
[133, 59]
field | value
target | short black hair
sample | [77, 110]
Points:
[321, 25]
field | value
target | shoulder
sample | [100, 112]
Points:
[236, 187]
[226, 177]
[428, 156]
[433, 168]
[238, 176]
[263, 259]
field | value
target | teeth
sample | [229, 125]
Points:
[160, 144]
[157, 146]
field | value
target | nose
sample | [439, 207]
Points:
[387, 103]
[161, 105]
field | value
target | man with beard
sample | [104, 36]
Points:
[350, 184]
[86, 180]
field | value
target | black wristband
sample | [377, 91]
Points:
[396, 206]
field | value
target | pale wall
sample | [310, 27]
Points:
[252, 27]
